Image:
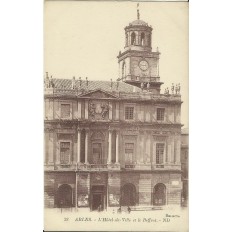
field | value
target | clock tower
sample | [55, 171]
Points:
[138, 64]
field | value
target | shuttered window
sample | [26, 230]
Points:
[159, 153]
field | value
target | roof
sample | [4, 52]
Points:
[138, 22]
[93, 85]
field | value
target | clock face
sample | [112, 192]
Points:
[143, 65]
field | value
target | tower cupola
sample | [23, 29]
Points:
[138, 35]
[138, 64]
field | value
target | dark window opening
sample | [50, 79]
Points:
[160, 114]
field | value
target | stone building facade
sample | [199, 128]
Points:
[114, 143]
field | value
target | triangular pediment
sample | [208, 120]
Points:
[98, 94]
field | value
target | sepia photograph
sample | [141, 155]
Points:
[116, 116]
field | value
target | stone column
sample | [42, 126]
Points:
[86, 146]
[86, 109]
[78, 145]
[117, 146]
[79, 110]
[117, 111]
[110, 147]
[110, 111]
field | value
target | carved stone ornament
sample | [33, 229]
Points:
[97, 177]
[98, 109]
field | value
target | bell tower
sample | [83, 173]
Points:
[138, 64]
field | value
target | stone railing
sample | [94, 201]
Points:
[112, 166]
[166, 166]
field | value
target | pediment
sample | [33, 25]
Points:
[98, 94]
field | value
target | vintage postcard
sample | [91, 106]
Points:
[116, 116]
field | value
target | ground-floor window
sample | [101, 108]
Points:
[128, 195]
[64, 196]
[159, 194]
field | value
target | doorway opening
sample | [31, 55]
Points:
[128, 195]
[98, 198]
[159, 194]
[64, 196]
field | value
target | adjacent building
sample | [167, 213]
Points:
[114, 143]
[184, 164]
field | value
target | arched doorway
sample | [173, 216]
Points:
[64, 196]
[128, 195]
[159, 194]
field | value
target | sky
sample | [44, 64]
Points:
[83, 39]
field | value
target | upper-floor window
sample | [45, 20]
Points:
[160, 114]
[65, 152]
[129, 113]
[129, 151]
[159, 153]
[65, 110]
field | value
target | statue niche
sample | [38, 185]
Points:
[98, 110]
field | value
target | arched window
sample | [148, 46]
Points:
[128, 195]
[142, 38]
[124, 70]
[133, 38]
[64, 196]
[159, 194]
[126, 39]
[149, 40]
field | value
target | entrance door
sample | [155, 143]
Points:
[159, 194]
[98, 197]
[128, 195]
[64, 196]
[97, 201]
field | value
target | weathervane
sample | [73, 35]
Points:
[138, 15]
